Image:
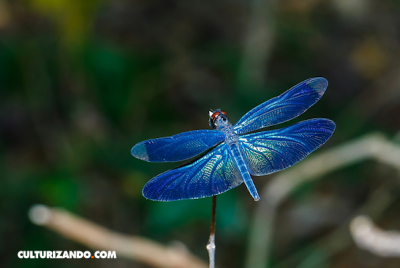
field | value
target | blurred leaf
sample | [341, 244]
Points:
[369, 58]
[72, 17]
[61, 191]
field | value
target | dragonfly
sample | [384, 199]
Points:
[233, 153]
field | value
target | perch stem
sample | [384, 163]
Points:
[211, 242]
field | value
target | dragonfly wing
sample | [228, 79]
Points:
[212, 174]
[286, 106]
[178, 147]
[270, 151]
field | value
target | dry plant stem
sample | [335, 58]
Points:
[211, 242]
[258, 41]
[5, 16]
[100, 238]
[373, 239]
[373, 146]
[339, 240]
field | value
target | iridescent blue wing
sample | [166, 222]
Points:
[270, 151]
[178, 147]
[286, 106]
[212, 174]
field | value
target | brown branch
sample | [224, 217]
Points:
[98, 237]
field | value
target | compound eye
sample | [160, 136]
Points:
[224, 113]
[214, 115]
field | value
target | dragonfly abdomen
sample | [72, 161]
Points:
[234, 147]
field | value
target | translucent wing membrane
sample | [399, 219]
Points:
[271, 151]
[210, 175]
[178, 147]
[286, 106]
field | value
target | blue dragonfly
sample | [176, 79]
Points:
[236, 156]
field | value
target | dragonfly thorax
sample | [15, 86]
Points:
[219, 121]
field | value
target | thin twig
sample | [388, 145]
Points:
[211, 242]
[98, 237]
[373, 146]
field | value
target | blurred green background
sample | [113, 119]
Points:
[82, 81]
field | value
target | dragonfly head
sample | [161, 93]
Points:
[218, 119]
